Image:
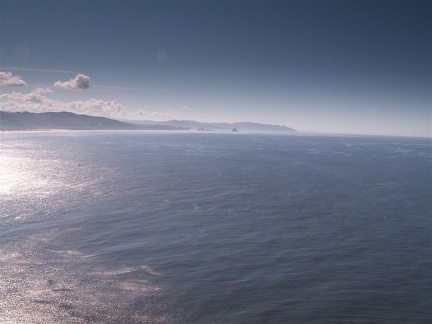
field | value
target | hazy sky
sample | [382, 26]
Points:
[333, 66]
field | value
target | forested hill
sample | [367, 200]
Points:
[68, 120]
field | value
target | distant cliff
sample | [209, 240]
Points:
[71, 121]
[243, 126]
[67, 120]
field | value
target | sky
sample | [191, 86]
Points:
[354, 67]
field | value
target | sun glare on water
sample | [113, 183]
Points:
[36, 176]
[17, 176]
[9, 175]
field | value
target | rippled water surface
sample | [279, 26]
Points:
[142, 227]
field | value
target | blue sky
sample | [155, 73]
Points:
[360, 67]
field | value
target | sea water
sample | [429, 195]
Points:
[181, 227]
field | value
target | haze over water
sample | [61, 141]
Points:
[351, 67]
[156, 227]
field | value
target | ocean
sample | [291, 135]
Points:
[207, 227]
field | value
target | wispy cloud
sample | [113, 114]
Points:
[142, 113]
[10, 80]
[18, 68]
[72, 83]
[37, 101]
[81, 81]
[105, 87]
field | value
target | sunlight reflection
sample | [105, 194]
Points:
[18, 175]
[9, 175]
[37, 177]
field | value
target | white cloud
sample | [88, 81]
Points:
[36, 101]
[10, 80]
[97, 107]
[81, 81]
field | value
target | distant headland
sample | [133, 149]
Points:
[14, 121]
[25, 121]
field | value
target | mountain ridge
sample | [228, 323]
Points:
[15, 121]
[245, 126]
[66, 120]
